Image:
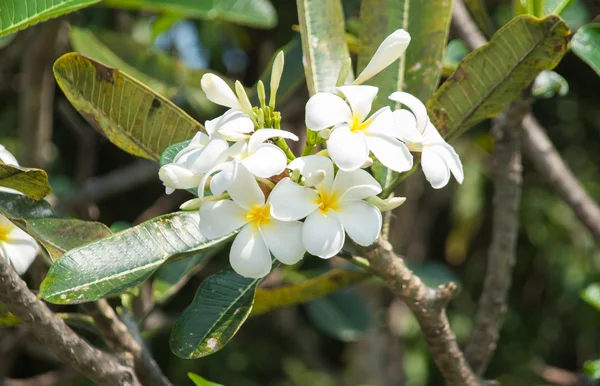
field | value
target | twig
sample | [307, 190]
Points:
[119, 338]
[551, 166]
[100, 367]
[465, 27]
[507, 177]
[429, 307]
[62, 375]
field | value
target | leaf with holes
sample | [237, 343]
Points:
[129, 114]
[124, 260]
[32, 182]
[586, 45]
[492, 76]
[323, 42]
[255, 13]
[16, 15]
[220, 307]
[57, 235]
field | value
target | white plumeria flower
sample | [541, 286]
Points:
[17, 246]
[261, 235]
[353, 135]
[232, 126]
[388, 51]
[263, 160]
[7, 158]
[438, 158]
[218, 92]
[334, 206]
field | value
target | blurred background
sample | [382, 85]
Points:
[361, 336]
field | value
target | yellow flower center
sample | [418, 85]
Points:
[357, 125]
[328, 201]
[259, 214]
[4, 231]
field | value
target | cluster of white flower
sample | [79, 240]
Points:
[257, 185]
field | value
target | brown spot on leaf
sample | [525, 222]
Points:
[104, 73]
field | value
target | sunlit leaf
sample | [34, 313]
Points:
[32, 182]
[124, 260]
[586, 45]
[200, 381]
[591, 295]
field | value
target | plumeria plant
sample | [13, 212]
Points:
[272, 198]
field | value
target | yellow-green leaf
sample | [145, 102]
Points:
[32, 182]
[480, 14]
[129, 114]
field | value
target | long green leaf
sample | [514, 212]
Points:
[56, 234]
[323, 42]
[222, 304]
[16, 15]
[255, 13]
[586, 45]
[125, 259]
[495, 74]
[128, 113]
[32, 182]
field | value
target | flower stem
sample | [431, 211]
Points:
[562, 6]
[286, 149]
[308, 150]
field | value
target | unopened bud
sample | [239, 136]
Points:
[193, 204]
[262, 95]
[261, 119]
[295, 176]
[367, 163]
[276, 73]
[243, 98]
[325, 134]
[388, 204]
[344, 72]
[315, 178]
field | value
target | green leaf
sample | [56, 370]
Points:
[124, 260]
[7, 319]
[32, 182]
[57, 235]
[270, 299]
[492, 76]
[170, 152]
[254, 13]
[480, 15]
[591, 295]
[220, 307]
[341, 315]
[200, 381]
[592, 369]
[323, 42]
[16, 15]
[129, 114]
[164, 22]
[586, 45]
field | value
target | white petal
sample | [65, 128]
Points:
[217, 91]
[451, 159]
[389, 50]
[7, 157]
[406, 126]
[415, 105]
[235, 126]
[355, 185]
[382, 122]
[262, 135]
[284, 240]
[348, 150]
[290, 201]
[176, 176]
[361, 220]
[323, 235]
[392, 153]
[311, 165]
[360, 99]
[244, 190]
[324, 110]
[267, 160]
[203, 160]
[220, 218]
[431, 135]
[20, 255]
[221, 181]
[249, 255]
[435, 169]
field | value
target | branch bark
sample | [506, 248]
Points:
[97, 365]
[429, 307]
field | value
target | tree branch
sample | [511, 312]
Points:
[507, 177]
[100, 367]
[429, 307]
[551, 166]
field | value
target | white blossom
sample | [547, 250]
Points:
[438, 158]
[388, 51]
[354, 135]
[218, 92]
[260, 236]
[333, 207]
[7, 158]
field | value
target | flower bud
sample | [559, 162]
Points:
[193, 204]
[344, 72]
[262, 95]
[218, 92]
[388, 204]
[315, 178]
[276, 72]
[325, 134]
[388, 51]
[243, 99]
[295, 176]
[367, 163]
[176, 176]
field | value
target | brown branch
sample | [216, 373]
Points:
[100, 367]
[119, 338]
[553, 168]
[507, 177]
[429, 307]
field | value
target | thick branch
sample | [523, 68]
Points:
[120, 339]
[507, 176]
[428, 306]
[549, 164]
[97, 365]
